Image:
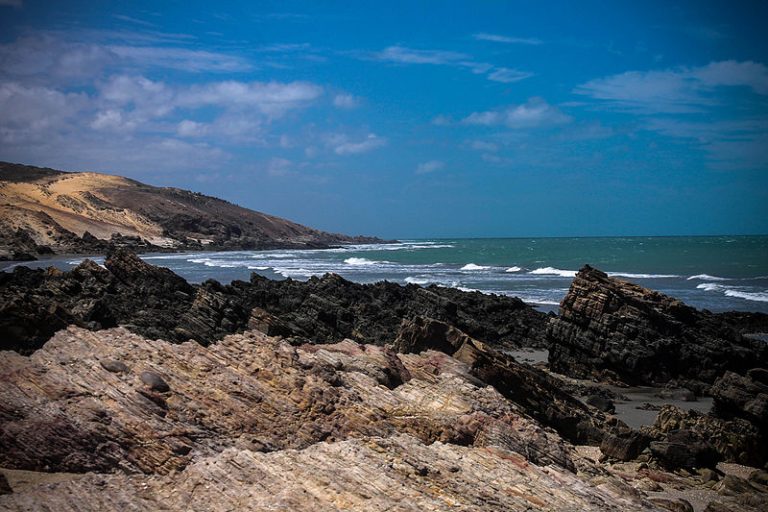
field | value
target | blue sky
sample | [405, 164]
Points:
[408, 119]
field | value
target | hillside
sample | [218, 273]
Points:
[44, 211]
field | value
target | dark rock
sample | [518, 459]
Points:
[5, 487]
[114, 366]
[743, 396]
[736, 440]
[608, 327]
[624, 444]
[154, 382]
[759, 476]
[601, 403]
[673, 504]
[535, 391]
[684, 449]
[732, 485]
[156, 303]
[708, 475]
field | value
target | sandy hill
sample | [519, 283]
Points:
[45, 209]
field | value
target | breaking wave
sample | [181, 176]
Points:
[551, 271]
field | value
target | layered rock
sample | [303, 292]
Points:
[536, 392]
[100, 401]
[158, 304]
[609, 328]
[371, 474]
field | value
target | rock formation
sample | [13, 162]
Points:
[539, 394]
[156, 303]
[99, 402]
[44, 210]
[610, 328]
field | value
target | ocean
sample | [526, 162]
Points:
[719, 273]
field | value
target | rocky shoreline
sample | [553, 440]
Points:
[143, 391]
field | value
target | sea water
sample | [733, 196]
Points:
[719, 273]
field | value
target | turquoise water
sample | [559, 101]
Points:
[718, 273]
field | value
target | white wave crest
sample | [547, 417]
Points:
[551, 271]
[360, 261]
[513, 269]
[711, 287]
[472, 266]
[753, 296]
[732, 291]
[417, 280]
[629, 275]
[706, 277]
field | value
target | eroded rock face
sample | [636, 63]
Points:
[539, 394]
[610, 328]
[156, 303]
[370, 474]
[61, 409]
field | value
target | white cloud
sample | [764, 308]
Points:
[442, 120]
[112, 120]
[32, 113]
[187, 128]
[482, 145]
[678, 90]
[405, 55]
[508, 76]
[181, 58]
[482, 36]
[346, 101]
[279, 167]
[430, 166]
[342, 146]
[272, 98]
[534, 113]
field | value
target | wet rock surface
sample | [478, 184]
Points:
[156, 303]
[613, 329]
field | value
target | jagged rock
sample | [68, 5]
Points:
[612, 328]
[735, 440]
[61, 410]
[534, 390]
[601, 403]
[367, 474]
[684, 449]
[743, 396]
[157, 303]
[624, 444]
[673, 504]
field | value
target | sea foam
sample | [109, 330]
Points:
[360, 261]
[732, 291]
[551, 271]
[513, 269]
[706, 277]
[629, 275]
[472, 266]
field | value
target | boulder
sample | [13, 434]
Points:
[611, 328]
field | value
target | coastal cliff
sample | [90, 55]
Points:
[45, 211]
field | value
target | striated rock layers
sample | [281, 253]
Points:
[610, 328]
[157, 303]
[255, 423]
